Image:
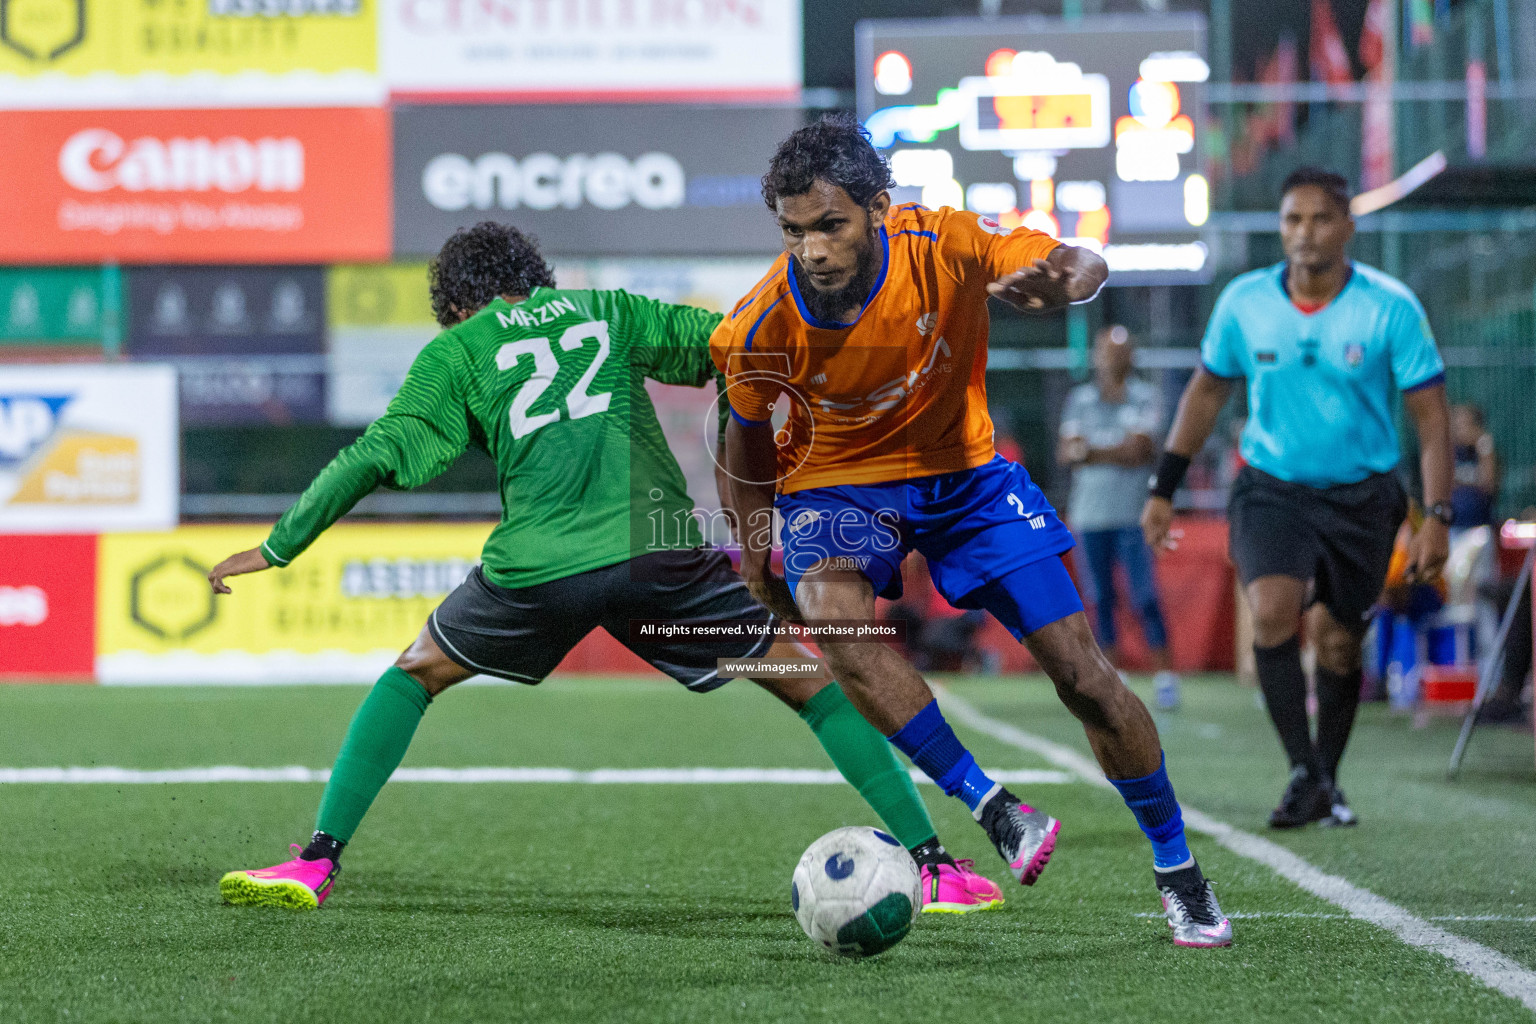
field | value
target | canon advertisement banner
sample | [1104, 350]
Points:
[590, 180]
[194, 186]
[88, 449]
[586, 49]
[248, 342]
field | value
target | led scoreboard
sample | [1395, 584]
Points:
[1085, 129]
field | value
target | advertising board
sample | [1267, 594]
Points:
[47, 605]
[653, 180]
[535, 49]
[195, 186]
[248, 342]
[127, 53]
[342, 612]
[87, 449]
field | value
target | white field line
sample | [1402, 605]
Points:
[598, 777]
[1262, 915]
[1489, 966]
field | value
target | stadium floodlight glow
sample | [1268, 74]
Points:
[999, 63]
[1142, 256]
[1085, 242]
[1029, 166]
[1077, 196]
[920, 168]
[991, 197]
[1197, 200]
[1175, 66]
[1040, 220]
[944, 193]
[1041, 103]
[889, 125]
[893, 73]
[1042, 194]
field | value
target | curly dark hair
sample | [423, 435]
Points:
[1333, 184]
[477, 264]
[835, 149]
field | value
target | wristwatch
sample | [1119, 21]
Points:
[1441, 511]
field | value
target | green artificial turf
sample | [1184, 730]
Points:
[568, 902]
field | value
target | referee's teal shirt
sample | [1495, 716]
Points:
[1321, 385]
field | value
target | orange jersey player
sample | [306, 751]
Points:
[900, 391]
[855, 373]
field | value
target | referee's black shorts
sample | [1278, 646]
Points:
[1339, 538]
[522, 633]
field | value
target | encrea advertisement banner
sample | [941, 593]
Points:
[653, 180]
[588, 49]
[87, 449]
[342, 612]
[195, 186]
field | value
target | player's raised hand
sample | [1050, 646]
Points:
[1038, 288]
[1069, 274]
[237, 564]
[1157, 525]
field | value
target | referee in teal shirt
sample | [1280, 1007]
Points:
[1325, 345]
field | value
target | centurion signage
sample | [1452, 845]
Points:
[589, 180]
[587, 49]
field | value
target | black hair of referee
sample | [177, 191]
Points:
[1333, 542]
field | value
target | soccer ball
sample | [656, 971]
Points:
[856, 891]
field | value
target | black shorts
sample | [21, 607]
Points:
[521, 634]
[1339, 538]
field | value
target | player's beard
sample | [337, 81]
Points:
[834, 305]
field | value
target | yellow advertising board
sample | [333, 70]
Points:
[178, 37]
[379, 295]
[341, 612]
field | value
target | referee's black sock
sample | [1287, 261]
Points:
[1338, 698]
[1285, 694]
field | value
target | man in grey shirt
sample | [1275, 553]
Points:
[1106, 436]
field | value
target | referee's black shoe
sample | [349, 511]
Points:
[1307, 799]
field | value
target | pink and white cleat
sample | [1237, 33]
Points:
[1023, 836]
[1190, 906]
[957, 889]
[297, 884]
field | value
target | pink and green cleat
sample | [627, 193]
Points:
[297, 884]
[958, 889]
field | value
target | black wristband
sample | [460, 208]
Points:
[1168, 475]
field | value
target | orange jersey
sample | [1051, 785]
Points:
[899, 393]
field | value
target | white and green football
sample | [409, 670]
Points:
[856, 891]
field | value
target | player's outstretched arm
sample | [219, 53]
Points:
[751, 462]
[1198, 408]
[238, 564]
[1069, 274]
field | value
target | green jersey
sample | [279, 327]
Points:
[554, 390]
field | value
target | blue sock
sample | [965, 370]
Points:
[1151, 799]
[933, 746]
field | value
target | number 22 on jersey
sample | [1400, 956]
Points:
[579, 402]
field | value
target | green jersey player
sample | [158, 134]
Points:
[596, 531]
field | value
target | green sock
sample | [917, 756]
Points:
[868, 763]
[376, 742]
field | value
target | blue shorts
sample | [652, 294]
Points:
[976, 527]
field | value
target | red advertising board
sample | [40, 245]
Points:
[47, 606]
[306, 185]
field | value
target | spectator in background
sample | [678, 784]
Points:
[1106, 438]
[1477, 469]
